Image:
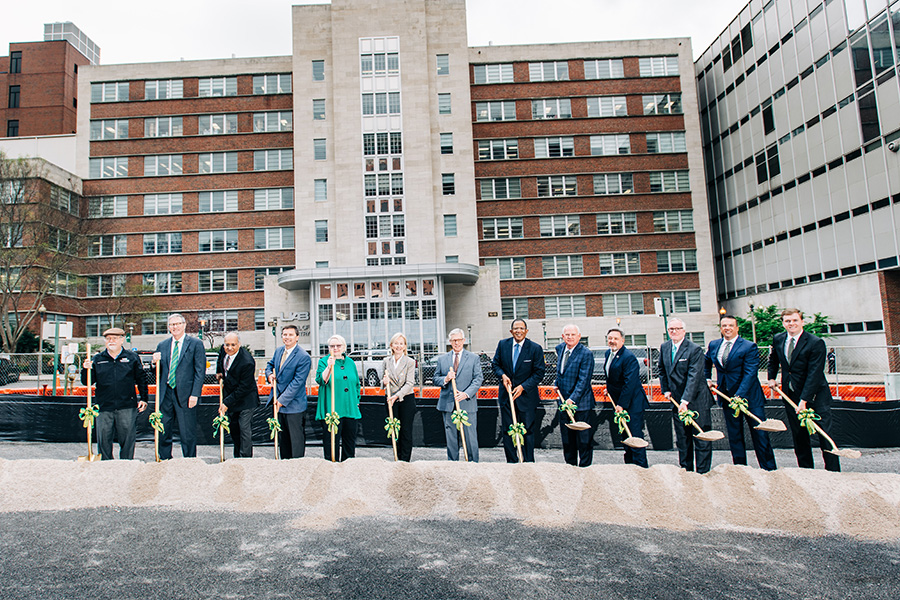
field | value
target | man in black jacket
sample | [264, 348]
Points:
[116, 373]
[235, 370]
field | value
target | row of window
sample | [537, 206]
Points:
[171, 203]
[269, 238]
[613, 305]
[616, 223]
[173, 126]
[564, 146]
[207, 87]
[604, 184]
[609, 68]
[157, 324]
[279, 159]
[561, 108]
[216, 280]
[610, 263]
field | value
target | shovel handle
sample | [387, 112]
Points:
[694, 423]
[615, 408]
[512, 409]
[387, 389]
[820, 431]
[743, 409]
[563, 401]
[462, 430]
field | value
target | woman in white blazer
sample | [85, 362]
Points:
[399, 379]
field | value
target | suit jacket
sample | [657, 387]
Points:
[623, 382]
[468, 380]
[290, 379]
[805, 372]
[403, 378]
[684, 377]
[527, 372]
[239, 389]
[740, 375]
[190, 370]
[575, 382]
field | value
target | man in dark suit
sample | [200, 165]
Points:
[287, 373]
[519, 363]
[465, 368]
[623, 382]
[182, 366]
[801, 357]
[574, 367]
[681, 378]
[737, 374]
[236, 372]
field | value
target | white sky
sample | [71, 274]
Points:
[166, 30]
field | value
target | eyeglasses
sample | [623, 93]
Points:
[457, 340]
[335, 345]
[675, 328]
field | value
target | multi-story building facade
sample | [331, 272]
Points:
[800, 112]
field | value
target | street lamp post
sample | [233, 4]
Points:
[42, 311]
[753, 321]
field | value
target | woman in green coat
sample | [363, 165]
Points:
[346, 399]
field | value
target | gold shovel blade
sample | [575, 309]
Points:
[578, 425]
[92, 458]
[635, 442]
[710, 436]
[846, 452]
[773, 425]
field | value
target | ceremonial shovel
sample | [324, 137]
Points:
[462, 432]
[391, 419]
[634, 442]
[576, 425]
[332, 428]
[767, 425]
[91, 457]
[275, 413]
[707, 436]
[221, 433]
[512, 408]
[846, 452]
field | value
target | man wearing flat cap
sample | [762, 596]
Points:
[117, 372]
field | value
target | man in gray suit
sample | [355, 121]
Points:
[681, 377]
[182, 366]
[465, 368]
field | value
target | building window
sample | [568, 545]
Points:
[259, 276]
[564, 306]
[444, 104]
[108, 245]
[273, 238]
[64, 200]
[562, 266]
[162, 243]
[501, 110]
[668, 221]
[448, 184]
[273, 199]
[211, 202]
[276, 121]
[319, 151]
[379, 63]
[608, 68]
[318, 109]
[218, 241]
[219, 162]
[15, 61]
[162, 165]
[669, 181]
[619, 263]
[217, 86]
[685, 301]
[501, 73]
[551, 108]
[622, 304]
[220, 320]
[94, 326]
[658, 66]
[557, 185]
[108, 206]
[767, 165]
[218, 281]
[277, 83]
[14, 92]
[104, 285]
[513, 308]
[163, 89]
[321, 190]
[259, 319]
[162, 283]
[104, 168]
[443, 64]
[318, 70]
[554, 147]
[449, 225]
[446, 143]
[321, 264]
[616, 223]
[659, 143]
[768, 117]
[662, 104]
[613, 183]
[12, 128]
[510, 268]
[162, 204]
[498, 149]
[674, 261]
[322, 231]
[111, 91]
[381, 103]
[548, 71]
[162, 127]
[610, 145]
[504, 228]
[698, 337]
[499, 189]
[273, 160]
[65, 284]
[607, 106]
[112, 129]
[560, 225]
[217, 124]
[151, 325]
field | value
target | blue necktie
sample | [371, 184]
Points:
[515, 355]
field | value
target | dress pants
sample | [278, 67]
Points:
[344, 439]
[688, 445]
[578, 446]
[187, 426]
[527, 418]
[636, 456]
[241, 432]
[292, 438]
[405, 411]
[122, 422]
[452, 436]
[802, 445]
[761, 445]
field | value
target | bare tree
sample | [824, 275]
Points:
[127, 301]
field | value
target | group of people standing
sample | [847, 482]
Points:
[684, 370]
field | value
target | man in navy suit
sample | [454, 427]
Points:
[623, 382]
[182, 366]
[801, 357]
[465, 368]
[519, 363]
[681, 377]
[236, 372]
[287, 373]
[574, 367]
[737, 374]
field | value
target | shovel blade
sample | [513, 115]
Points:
[578, 425]
[846, 452]
[773, 425]
[710, 436]
[635, 442]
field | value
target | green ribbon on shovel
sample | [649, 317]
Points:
[220, 422]
[517, 433]
[569, 407]
[459, 418]
[738, 404]
[88, 415]
[808, 417]
[332, 420]
[392, 427]
[687, 417]
[620, 418]
[274, 427]
[156, 422]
